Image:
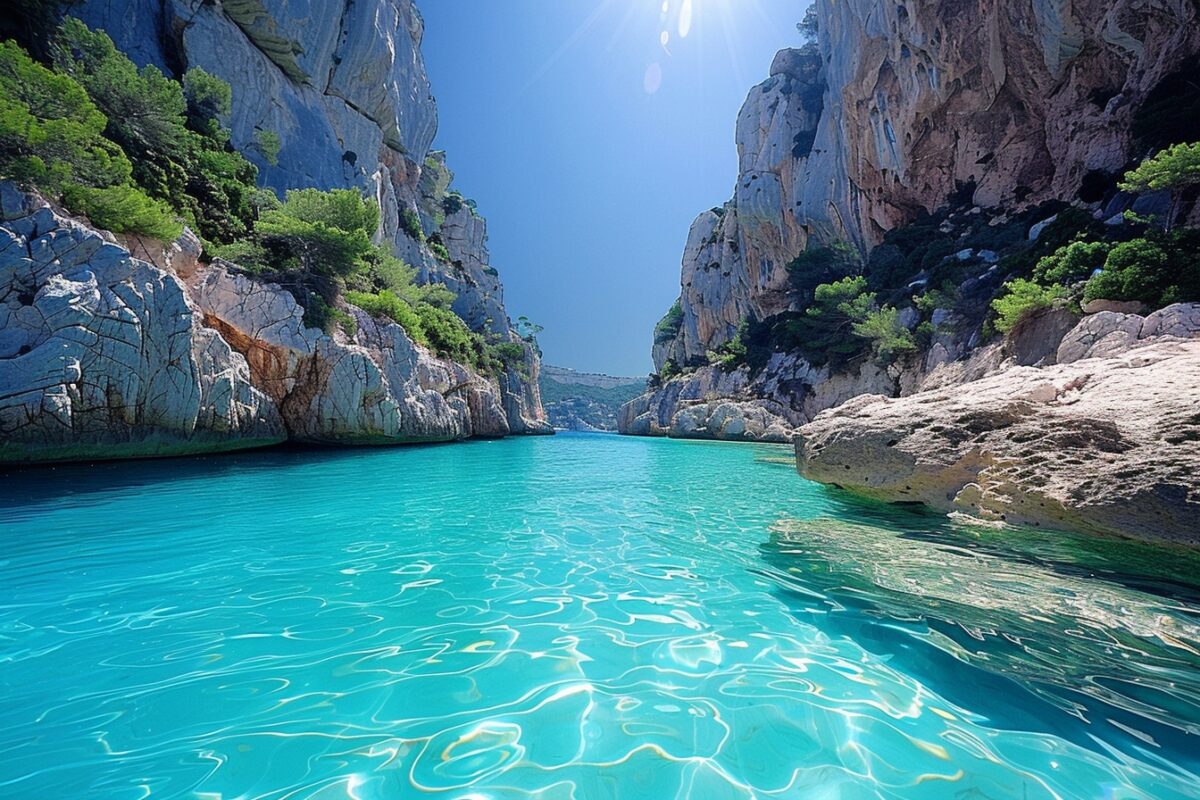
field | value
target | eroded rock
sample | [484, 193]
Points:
[102, 356]
[1099, 444]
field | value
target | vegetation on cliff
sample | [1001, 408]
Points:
[139, 152]
[1142, 259]
[982, 267]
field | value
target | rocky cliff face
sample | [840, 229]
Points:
[103, 355]
[897, 110]
[342, 86]
[108, 354]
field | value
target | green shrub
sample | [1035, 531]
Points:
[268, 145]
[924, 334]
[386, 271]
[1175, 169]
[827, 324]
[387, 304]
[889, 339]
[1072, 262]
[819, 265]
[439, 329]
[736, 351]
[434, 294]
[346, 322]
[51, 138]
[1157, 270]
[327, 233]
[452, 203]
[509, 356]
[449, 336]
[511, 353]
[209, 101]
[668, 327]
[439, 251]
[170, 133]
[50, 131]
[123, 209]
[410, 223]
[1021, 298]
[145, 109]
[947, 296]
[250, 255]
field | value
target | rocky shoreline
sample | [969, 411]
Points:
[1103, 438]
[105, 356]
[122, 347]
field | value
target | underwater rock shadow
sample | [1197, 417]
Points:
[1027, 646]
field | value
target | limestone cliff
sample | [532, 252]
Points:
[115, 347]
[343, 88]
[897, 110]
[104, 355]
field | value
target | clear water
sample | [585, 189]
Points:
[581, 617]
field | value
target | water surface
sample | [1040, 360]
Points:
[576, 618]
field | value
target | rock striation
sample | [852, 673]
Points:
[120, 348]
[103, 356]
[1102, 439]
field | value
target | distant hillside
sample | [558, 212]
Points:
[586, 400]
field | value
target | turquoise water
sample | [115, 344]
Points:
[580, 617]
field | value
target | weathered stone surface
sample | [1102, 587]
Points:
[731, 421]
[101, 355]
[1181, 320]
[1109, 333]
[479, 294]
[1035, 339]
[1100, 444]
[1119, 306]
[771, 405]
[1098, 335]
[106, 356]
[380, 388]
[340, 83]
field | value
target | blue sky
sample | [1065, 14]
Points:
[590, 147]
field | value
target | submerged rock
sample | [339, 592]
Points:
[1106, 444]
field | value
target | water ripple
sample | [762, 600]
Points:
[573, 619]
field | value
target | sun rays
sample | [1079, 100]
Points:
[658, 32]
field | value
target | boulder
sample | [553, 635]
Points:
[1101, 444]
[1181, 320]
[1119, 306]
[1097, 335]
[1034, 340]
